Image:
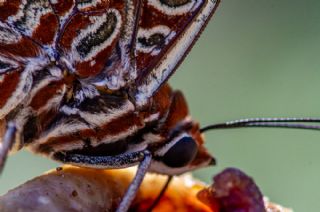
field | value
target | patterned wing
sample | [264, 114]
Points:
[15, 66]
[167, 30]
[29, 82]
[113, 44]
[41, 40]
[54, 56]
[95, 42]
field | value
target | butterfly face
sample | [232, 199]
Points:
[180, 144]
[181, 154]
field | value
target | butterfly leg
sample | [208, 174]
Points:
[6, 143]
[135, 184]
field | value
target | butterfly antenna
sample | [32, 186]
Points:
[295, 123]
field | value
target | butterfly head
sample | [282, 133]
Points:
[183, 149]
[184, 152]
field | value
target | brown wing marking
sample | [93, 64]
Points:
[167, 31]
[15, 73]
[35, 19]
[97, 42]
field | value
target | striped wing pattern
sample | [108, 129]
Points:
[82, 73]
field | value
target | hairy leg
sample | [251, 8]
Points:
[135, 184]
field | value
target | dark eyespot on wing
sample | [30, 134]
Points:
[4, 67]
[93, 39]
[157, 40]
[84, 1]
[175, 3]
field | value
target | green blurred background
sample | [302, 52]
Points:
[256, 58]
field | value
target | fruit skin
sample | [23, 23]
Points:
[71, 188]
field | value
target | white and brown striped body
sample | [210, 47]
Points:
[88, 77]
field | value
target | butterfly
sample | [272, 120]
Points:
[84, 82]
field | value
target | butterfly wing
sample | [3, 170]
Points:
[116, 44]
[83, 37]
[135, 45]
[167, 31]
[15, 69]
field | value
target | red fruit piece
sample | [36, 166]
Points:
[237, 192]
[233, 191]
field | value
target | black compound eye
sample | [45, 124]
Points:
[181, 153]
